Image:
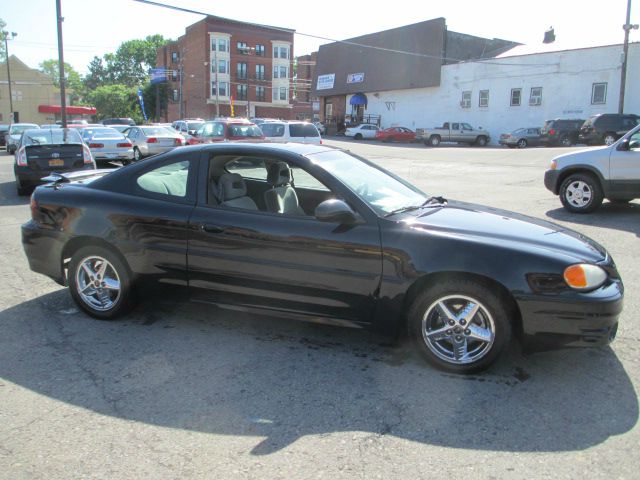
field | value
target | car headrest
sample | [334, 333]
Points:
[230, 186]
[279, 174]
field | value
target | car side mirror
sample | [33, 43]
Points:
[624, 145]
[334, 210]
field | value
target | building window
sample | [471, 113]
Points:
[516, 95]
[281, 52]
[483, 99]
[222, 66]
[241, 70]
[223, 88]
[242, 48]
[175, 56]
[174, 75]
[223, 44]
[598, 93]
[259, 50]
[260, 94]
[536, 96]
[466, 100]
[175, 95]
[280, 71]
[284, 93]
[241, 92]
[260, 72]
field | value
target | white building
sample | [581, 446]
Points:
[516, 89]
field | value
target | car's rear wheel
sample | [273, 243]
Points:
[609, 138]
[522, 143]
[22, 190]
[460, 325]
[581, 193]
[358, 136]
[137, 155]
[434, 141]
[481, 141]
[100, 283]
[566, 141]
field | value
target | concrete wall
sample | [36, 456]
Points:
[566, 79]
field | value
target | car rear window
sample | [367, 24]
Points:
[51, 137]
[18, 129]
[245, 131]
[156, 131]
[272, 129]
[303, 130]
[100, 133]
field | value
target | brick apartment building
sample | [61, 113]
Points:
[306, 105]
[219, 60]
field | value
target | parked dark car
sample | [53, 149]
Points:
[118, 121]
[606, 128]
[521, 138]
[42, 151]
[4, 129]
[560, 132]
[350, 244]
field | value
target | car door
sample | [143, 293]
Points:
[291, 264]
[624, 167]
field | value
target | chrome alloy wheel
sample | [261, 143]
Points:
[98, 283]
[578, 194]
[458, 329]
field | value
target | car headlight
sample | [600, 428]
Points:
[584, 276]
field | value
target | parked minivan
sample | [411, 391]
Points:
[560, 132]
[281, 131]
[606, 128]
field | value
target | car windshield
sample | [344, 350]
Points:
[157, 131]
[51, 137]
[383, 192]
[245, 131]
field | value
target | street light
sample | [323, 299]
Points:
[6, 34]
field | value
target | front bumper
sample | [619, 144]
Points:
[551, 181]
[577, 320]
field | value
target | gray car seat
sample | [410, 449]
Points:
[233, 192]
[282, 197]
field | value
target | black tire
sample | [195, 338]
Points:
[137, 154]
[609, 138]
[358, 136]
[22, 190]
[492, 317]
[575, 187]
[118, 303]
[434, 140]
[481, 141]
[522, 143]
[566, 141]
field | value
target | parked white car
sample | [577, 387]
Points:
[363, 131]
[281, 131]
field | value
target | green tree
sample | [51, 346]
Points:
[116, 101]
[2, 52]
[97, 74]
[73, 81]
[131, 63]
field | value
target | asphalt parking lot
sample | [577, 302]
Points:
[190, 391]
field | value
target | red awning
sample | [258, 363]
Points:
[69, 110]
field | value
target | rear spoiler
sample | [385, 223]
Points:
[57, 178]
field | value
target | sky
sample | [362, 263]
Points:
[96, 27]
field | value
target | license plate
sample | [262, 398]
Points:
[111, 155]
[56, 163]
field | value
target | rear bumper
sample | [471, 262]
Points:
[43, 248]
[155, 150]
[28, 177]
[113, 155]
[585, 320]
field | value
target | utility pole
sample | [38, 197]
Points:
[181, 82]
[215, 58]
[625, 55]
[63, 98]
[6, 51]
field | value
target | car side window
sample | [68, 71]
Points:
[466, 126]
[248, 167]
[212, 130]
[634, 141]
[170, 180]
[455, 126]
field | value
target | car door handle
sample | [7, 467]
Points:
[210, 228]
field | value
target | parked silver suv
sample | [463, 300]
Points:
[584, 178]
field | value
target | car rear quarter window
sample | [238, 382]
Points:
[248, 167]
[170, 180]
[272, 129]
[303, 130]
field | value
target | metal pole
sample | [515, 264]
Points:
[215, 57]
[623, 74]
[63, 99]
[6, 50]
[157, 102]
[180, 96]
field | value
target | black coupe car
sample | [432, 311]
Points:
[317, 233]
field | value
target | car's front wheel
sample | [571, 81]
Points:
[581, 193]
[100, 283]
[460, 325]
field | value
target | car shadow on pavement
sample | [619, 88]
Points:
[625, 217]
[203, 369]
[9, 195]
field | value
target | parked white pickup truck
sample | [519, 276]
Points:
[459, 132]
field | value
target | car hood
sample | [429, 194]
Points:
[513, 230]
[583, 155]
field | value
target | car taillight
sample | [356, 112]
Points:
[34, 208]
[125, 145]
[320, 141]
[86, 155]
[152, 140]
[21, 159]
[552, 132]
[96, 145]
[178, 141]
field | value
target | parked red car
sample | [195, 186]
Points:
[396, 134]
[228, 129]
